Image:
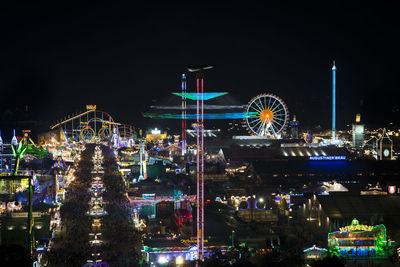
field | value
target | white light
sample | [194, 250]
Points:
[155, 131]
[162, 260]
[261, 200]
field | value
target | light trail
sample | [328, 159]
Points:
[214, 116]
[176, 107]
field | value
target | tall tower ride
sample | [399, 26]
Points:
[333, 102]
[183, 114]
[200, 158]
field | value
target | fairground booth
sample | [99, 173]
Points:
[314, 253]
[358, 240]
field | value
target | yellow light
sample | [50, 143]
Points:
[266, 114]
[358, 118]
[179, 260]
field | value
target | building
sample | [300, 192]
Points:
[314, 253]
[293, 130]
[292, 166]
[384, 147]
[358, 133]
[336, 211]
[357, 240]
[13, 228]
[156, 136]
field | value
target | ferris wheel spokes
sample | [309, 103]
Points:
[266, 115]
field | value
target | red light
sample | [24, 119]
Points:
[208, 201]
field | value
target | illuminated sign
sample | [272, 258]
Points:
[358, 227]
[358, 118]
[392, 189]
[90, 107]
[355, 226]
[327, 158]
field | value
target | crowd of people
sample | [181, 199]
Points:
[121, 243]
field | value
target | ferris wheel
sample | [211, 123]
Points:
[266, 115]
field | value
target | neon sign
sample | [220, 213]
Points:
[355, 226]
[327, 158]
[90, 107]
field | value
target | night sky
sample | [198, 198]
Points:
[58, 58]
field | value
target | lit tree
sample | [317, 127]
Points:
[18, 154]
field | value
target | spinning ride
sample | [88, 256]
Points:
[105, 133]
[267, 115]
[87, 134]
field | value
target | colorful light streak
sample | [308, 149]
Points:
[193, 107]
[201, 96]
[212, 116]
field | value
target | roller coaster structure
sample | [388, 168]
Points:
[94, 125]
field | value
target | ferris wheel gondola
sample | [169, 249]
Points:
[266, 115]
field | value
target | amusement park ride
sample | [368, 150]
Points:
[200, 157]
[95, 125]
[270, 116]
[266, 115]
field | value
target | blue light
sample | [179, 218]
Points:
[333, 101]
[213, 116]
[194, 96]
[327, 158]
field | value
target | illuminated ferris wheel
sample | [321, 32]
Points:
[266, 115]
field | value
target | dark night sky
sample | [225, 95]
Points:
[58, 58]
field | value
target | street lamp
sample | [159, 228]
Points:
[233, 236]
